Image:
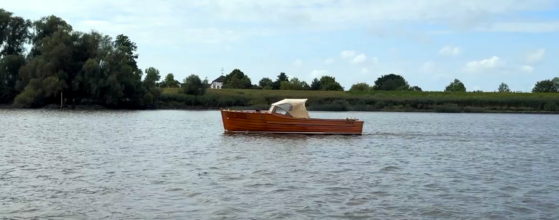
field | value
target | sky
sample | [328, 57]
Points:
[429, 42]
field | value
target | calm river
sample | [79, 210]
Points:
[180, 165]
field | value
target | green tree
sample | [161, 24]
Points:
[315, 84]
[119, 84]
[68, 65]
[416, 88]
[124, 43]
[5, 18]
[455, 86]
[360, 87]
[555, 81]
[170, 81]
[237, 80]
[14, 33]
[306, 86]
[246, 82]
[286, 86]
[206, 82]
[52, 68]
[266, 83]
[282, 77]
[329, 83]
[46, 27]
[391, 82]
[31, 95]
[57, 57]
[545, 86]
[150, 81]
[294, 84]
[9, 75]
[235, 74]
[192, 85]
[152, 75]
[504, 87]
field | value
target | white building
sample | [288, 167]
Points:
[217, 83]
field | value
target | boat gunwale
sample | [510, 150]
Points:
[289, 118]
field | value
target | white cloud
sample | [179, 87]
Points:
[482, 65]
[374, 60]
[298, 62]
[536, 56]
[428, 67]
[355, 58]
[318, 73]
[393, 30]
[219, 21]
[328, 61]
[359, 59]
[149, 32]
[527, 69]
[352, 13]
[450, 50]
[522, 27]
[371, 67]
[347, 54]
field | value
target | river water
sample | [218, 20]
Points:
[180, 165]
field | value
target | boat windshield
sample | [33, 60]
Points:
[281, 111]
[292, 107]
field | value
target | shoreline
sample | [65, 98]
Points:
[382, 111]
[332, 101]
[205, 108]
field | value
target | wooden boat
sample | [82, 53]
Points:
[286, 116]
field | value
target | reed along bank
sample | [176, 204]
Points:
[393, 101]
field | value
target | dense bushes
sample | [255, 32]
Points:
[373, 101]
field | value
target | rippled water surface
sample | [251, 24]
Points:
[180, 165]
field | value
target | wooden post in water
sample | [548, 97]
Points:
[61, 100]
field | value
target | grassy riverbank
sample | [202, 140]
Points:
[408, 101]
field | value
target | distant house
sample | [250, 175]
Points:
[217, 83]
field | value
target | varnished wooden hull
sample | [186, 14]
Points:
[264, 122]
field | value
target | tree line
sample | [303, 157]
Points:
[65, 66]
[390, 82]
[394, 82]
[69, 67]
[238, 80]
